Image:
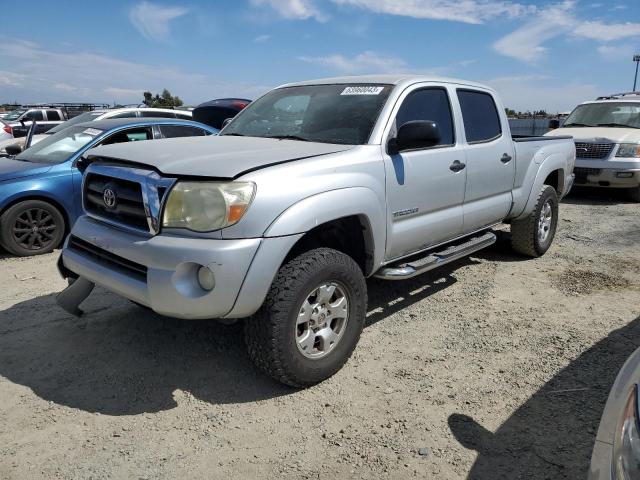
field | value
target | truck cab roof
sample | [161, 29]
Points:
[386, 79]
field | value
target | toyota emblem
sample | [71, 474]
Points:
[109, 198]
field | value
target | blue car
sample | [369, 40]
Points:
[40, 187]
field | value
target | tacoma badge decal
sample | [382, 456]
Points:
[408, 211]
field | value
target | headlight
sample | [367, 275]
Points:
[626, 444]
[207, 206]
[628, 150]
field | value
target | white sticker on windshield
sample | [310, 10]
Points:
[362, 90]
[92, 131]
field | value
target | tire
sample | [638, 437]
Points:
[31, 227]
[634, 194]
[526, 236]
[275, 337]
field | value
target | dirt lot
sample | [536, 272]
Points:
[498, 366]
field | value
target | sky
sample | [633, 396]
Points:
[537, 54]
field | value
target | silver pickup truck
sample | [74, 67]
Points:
[312, 188]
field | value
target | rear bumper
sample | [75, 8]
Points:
[161, 272]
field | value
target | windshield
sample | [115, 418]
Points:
[15, 114]
[83, 117]
[342, 113]
[609, 114]
[60, 146]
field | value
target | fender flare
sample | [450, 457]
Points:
[553, 162]
[325, 207]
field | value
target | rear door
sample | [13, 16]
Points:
[424, 195]
[490, 159]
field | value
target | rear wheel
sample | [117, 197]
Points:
[533, 235]
[311, 320]
[31, 227]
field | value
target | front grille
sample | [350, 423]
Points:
[593, 150]
[129, 205]
[108, 259]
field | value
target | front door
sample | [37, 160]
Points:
[425, 187]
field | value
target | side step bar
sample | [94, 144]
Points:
[431, 260]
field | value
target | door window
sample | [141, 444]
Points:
[480, 116]
[429, 104]
[34, 115]
[53, 115]
[174, 131]
[133, 135]
[156, 114]
[131, 114]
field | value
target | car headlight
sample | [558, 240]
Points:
[626, 444]
[628, 150]
[207, 206]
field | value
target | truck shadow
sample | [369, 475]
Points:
[120, 359]
[596, 196]
[552, 434]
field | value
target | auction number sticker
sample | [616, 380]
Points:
[362, 90]
[92, 131]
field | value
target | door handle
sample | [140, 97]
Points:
[506, 158]
[457, 165]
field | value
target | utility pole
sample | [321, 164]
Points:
[636, 58]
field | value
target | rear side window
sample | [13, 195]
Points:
[53, 115]
[157, 114]
[174, 131]
[480, 116]
[429, 104]
[34, 115]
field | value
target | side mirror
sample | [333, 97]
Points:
[226, 122]
[13, 149]
[415, 134]
[553, 124]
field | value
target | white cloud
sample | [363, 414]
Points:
[10, 79]
[370, 62]
[262, 39]
[467, 11]
[535, 92]
[614, 31]
[616, 52]
[293, 9]
[526, 42]
[85, 76]
[152, 20]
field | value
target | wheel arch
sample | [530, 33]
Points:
[43, 198]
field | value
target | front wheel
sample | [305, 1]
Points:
[31, 227]
[311, 320]
[533, 235]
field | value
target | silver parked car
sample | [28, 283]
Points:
[616, 453]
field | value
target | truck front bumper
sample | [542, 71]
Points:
[607, 173]
[161, 272]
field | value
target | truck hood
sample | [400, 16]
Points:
[600, 134]
[215, 156]
[11, 169]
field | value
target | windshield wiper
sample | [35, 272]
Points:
[623, 125]
[289, 137]
[576, 125]
[233, 135]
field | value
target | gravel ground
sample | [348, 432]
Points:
[495, 367]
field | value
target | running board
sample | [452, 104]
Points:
[431, 260]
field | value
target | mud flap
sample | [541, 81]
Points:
[72, 296]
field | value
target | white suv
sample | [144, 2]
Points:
[607, 137]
